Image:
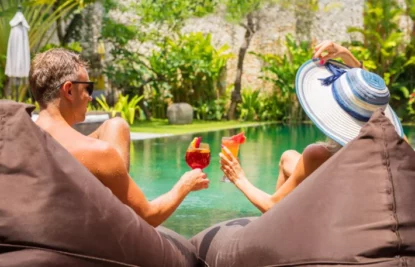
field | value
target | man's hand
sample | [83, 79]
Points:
[231, 167]
[194, 180]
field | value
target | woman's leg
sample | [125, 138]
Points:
[288, 161]
[313, 156]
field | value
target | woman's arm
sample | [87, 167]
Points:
[313, 157]
[333, 50]
[233, 170]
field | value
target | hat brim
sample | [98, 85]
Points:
[321, 107]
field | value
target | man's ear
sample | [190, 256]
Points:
[66, 91]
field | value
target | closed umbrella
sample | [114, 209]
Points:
[18, 50]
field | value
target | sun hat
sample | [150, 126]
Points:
[340, 99]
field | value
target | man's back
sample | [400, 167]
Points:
[87, 150]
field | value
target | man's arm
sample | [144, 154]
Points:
[111, 171]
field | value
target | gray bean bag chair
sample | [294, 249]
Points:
[355, 210]
[54, 212]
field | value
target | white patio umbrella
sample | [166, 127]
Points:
[18, 50]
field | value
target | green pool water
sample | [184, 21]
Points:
[157, 164]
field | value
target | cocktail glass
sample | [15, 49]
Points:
[233, 147]
[198, 157]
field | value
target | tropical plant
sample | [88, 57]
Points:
[130, 70]
[190, 66]
[260, 106]
[127, 108]
[212, 110]
[250, 105]
[271, 108]
[281, 71]
[173, 13]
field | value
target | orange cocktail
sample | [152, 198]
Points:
[232, 144]
[198, 157]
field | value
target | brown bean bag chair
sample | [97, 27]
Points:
[54, 212]
[355, 210]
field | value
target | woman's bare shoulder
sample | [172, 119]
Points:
[316, 151]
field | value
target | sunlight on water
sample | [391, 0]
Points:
[157, 164]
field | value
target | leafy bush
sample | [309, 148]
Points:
[190, 66]
[270, 109]
[258, 106]
[127, 108]
[212, 110]
[250, 106]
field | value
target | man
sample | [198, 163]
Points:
[60, 83]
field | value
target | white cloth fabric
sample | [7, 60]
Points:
[18, 49]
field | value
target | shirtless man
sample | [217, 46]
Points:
[60, 83]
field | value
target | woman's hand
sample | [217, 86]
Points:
[231, 167]
[332, 50]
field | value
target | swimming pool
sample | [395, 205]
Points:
[157, 164]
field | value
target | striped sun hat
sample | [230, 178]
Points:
[340, 100]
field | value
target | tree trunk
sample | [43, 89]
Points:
[141, 103]
[236, 93]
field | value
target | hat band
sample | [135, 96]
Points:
[336, 71]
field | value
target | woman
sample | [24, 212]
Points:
[339, 102]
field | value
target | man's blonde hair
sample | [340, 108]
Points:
[51, 69]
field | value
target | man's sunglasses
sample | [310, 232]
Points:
[89, 88]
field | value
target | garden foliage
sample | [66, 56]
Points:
[388, 51]
[153, 58]
[280, 71]
[128, 108]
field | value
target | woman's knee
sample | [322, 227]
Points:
[288, 156]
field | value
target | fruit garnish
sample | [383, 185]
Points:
[239, 138]
[196, 142]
